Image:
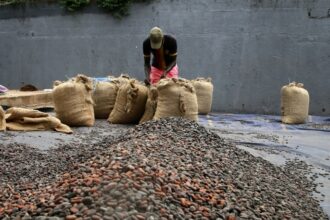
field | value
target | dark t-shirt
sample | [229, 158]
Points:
[163, 56]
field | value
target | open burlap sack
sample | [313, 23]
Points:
[20, 119]
[130, 103]
[151, 105]
[177, 98]
[104, 97]
[2, 120]
[73, 101]
[16, 113]
[294, 103]
[204, 92]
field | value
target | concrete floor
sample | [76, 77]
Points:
[266, 137]
[261, 135]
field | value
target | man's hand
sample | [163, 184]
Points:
[147, 82]
[147, 70]
[163, 76]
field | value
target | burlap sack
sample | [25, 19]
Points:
[294, 103]
[123, 79]
[130, 103]
[151, 105]
[73, 101]
[104, 97]
[177, 98]
[39, 124]
[105, 93]
[20, 119]
[204, 92]
[16, 113]
[2, 120]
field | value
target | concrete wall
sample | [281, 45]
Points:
[250, 48]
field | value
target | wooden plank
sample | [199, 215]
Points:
[29, 99]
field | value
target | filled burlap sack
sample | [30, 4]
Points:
[130, 103]
[73, 101]
[20, 119]
[105, 93]
[151, 105]
[122, 79]
[204, 92]
[177, 98]
[294, 103]
[104, 97]
[2, 119]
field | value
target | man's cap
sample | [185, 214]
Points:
[156, 37]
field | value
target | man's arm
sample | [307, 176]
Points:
[170, 66]
[147, 67]
[173, 52]
[168, 69]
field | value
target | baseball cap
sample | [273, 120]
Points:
[156, 37]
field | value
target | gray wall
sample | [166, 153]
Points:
[250, 48]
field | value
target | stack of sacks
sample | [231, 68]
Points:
[294, 103]
[204, 92]
[177, 98]
[2, 120]
[151, 105]
[20, 119]
[73, 101]
[130, 103]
